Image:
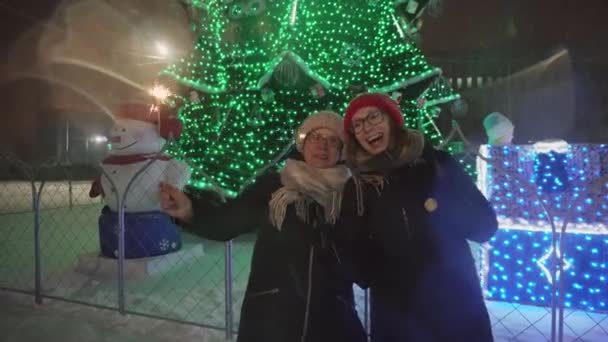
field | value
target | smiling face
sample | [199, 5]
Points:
[133, 137]
[322, 148]
[372, 130]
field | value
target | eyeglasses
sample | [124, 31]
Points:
[372, 119]
[318, 139]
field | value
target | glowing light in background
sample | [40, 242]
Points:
[99, 139]
[160, 92]
[561, 177]
[162, 49]
[544, 261]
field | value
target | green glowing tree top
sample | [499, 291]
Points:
[259, 68]
[335, 43]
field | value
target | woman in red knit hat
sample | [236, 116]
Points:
[415, 208]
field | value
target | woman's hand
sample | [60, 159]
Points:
[175, 203]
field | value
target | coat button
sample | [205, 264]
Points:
[430, 204]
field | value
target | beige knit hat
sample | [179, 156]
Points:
[323, 119]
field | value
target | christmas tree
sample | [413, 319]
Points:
[260, 67]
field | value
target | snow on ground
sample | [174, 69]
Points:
[16, 196]
[21, 320]
[192, 290]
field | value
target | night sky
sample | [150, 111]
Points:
[468, 35]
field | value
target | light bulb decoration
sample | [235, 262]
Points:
[540, 194]
[261, 67]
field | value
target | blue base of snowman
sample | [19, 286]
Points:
[146, 234]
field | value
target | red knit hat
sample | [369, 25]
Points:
[168, 124]
[378, 100]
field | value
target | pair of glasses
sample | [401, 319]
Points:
[318, 139]
[372, 119]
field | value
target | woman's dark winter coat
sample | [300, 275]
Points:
[411, 245]
[299, 289]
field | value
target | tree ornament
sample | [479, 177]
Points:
[412, 6]
[434, 8]
[267, 95]
[194, 98]
[357, 88]
[351, 55]
[421, 102]
[255, 117]
[255, 7]
[459, 107]
[287, 73]
[397, 96]
[235, 11]
[317, 91]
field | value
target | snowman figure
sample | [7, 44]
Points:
[137, 138]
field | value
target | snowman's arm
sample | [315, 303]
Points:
[96, 188]
[177, 173]
[225, 221]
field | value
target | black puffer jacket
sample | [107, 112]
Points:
[299, 288]
[411, 245]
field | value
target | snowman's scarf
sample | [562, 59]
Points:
[304, 185]
[133, 158]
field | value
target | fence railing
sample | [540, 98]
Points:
[52, 241]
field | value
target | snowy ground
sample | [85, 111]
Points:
[191, 290]
[16, 196]
[23, 321]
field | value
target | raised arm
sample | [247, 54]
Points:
[460, 204]
[211, 219]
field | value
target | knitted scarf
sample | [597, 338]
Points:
[373, 170]
[304, 185]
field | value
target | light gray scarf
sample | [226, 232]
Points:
[304, 185]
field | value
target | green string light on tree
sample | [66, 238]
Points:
[262, 67]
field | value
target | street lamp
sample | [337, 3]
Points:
[160, 92]
[163, 49]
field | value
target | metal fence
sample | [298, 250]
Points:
[51, 249]
[51, 245]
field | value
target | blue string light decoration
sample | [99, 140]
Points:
[550, 172]
[519, 263]
[519, 181]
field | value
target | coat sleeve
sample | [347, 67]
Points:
[460, 204]
[218, 221]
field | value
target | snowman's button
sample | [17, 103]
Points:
[113, 171]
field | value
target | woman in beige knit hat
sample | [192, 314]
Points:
[300, 288]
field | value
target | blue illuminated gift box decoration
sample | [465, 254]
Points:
[516, 262]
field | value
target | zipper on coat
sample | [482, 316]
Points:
[308, 293]
[263, 293]
[407, 223]
[333, 246]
